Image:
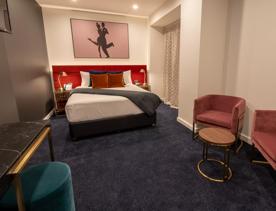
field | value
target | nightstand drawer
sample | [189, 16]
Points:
[61, 100]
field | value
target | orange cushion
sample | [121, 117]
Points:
[99, 80]
[115, 80]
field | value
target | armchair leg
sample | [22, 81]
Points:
[194, 134]
[263, 162]
[240, 145]
[252, 152]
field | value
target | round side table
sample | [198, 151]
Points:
[218, 137]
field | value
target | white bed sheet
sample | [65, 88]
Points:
[87, 107]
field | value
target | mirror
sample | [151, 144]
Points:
[5, 25]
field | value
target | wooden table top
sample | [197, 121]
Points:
[217, 136]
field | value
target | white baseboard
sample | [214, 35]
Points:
[246, 138]
[188, 125]
[185, 123]
[48, 116]
[169, 104]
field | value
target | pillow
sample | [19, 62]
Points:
[115, 80]
[127, 77]
[85, 78]
[115, 72]
[97, 72]
[99, 81]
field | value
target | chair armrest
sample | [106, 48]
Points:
[265, 121]
[201, 104]
[238, 112]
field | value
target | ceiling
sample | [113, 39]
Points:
[146, 7]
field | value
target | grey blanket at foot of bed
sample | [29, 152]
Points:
[146, 101]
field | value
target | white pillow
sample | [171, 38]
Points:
[127, 77]
[85, 79]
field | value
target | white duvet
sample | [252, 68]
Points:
[87, 107]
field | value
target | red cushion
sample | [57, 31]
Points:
[218, 118]
[267, 141]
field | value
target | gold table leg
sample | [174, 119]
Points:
[225, 178]
[19, 192]
[227, 170]
[239, 147]
[51, 145]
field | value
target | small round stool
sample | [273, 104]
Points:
[46, 187]
[218, 137]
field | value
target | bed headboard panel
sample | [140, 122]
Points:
[73, 72]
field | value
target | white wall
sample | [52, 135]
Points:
[168, 13]
[156, 61]
[251, 64]
[190, 34]
[59, 37]
[202, 52]
[212, 47]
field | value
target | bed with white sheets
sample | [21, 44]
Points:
[84, 107]
[93, 114]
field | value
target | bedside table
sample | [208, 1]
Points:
[61, 100]
[144, 86]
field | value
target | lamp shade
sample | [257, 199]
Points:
[145, 75]
[63, 74]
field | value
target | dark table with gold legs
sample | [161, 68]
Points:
[17, 151]
[221, 138]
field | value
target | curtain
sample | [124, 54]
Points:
[171, 66]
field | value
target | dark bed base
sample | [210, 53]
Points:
[97, 127]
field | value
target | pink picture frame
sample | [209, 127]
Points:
[99, 39]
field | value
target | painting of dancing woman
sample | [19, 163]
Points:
[99, 39]
[101, 42]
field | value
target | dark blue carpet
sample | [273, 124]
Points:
[155, 169]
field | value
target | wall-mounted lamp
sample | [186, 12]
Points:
[145, 76]
[61, 74]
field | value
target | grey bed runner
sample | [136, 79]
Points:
[146, 101]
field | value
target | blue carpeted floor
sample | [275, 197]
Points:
[155, 169]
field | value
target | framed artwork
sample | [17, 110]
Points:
[5, 24]
[100, 39]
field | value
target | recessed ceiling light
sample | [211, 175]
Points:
[74, 0]
[135, 6]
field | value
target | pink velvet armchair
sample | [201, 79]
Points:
[264, 135]
[220, 111]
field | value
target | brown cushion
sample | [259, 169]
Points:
[99, 80]
[115, 80]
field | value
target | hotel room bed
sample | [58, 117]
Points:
[93, 114]
[85, 107]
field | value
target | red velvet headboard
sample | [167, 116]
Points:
[73, 72]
